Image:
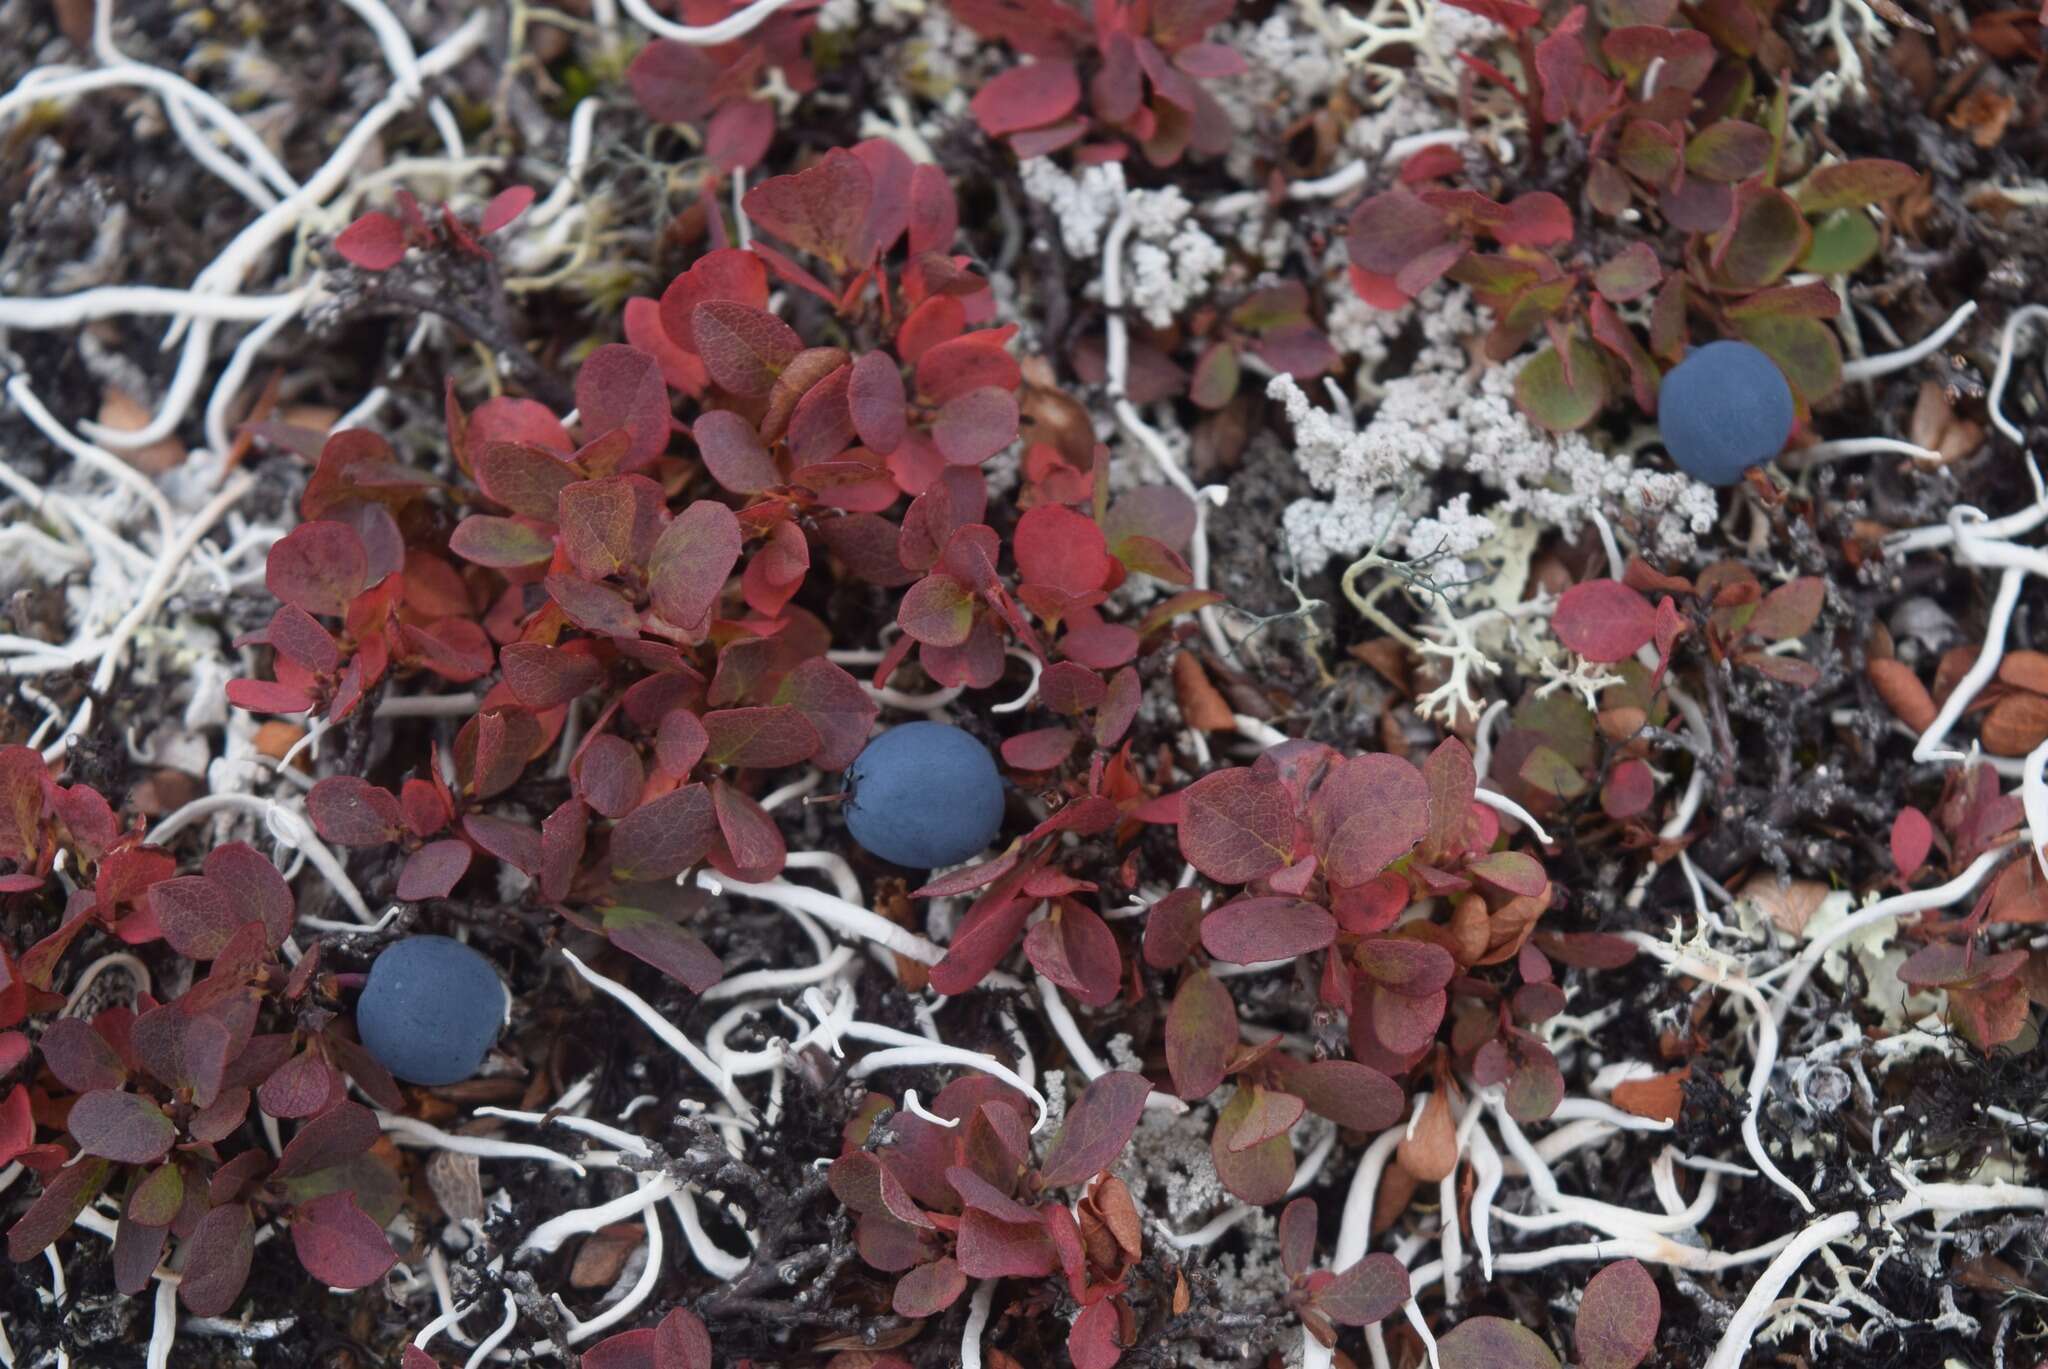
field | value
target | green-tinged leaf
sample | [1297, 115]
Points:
[1805, 349]
[1728, 151]
[1201, 1035]
[1852, 185]
[1557, 401]
[1629, 276]
[501, 543]
[1259, 1175]
[1493, 1343]
[1812, 300]
[1767, 236]
[1842, 242]
[656, 939]
[1364, 1293]
[1618, 1316]
[1216, 376]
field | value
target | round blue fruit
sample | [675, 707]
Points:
[431, 1009]
[1724, 409]
[924, 795]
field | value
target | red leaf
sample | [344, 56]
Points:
[1075, 949]
[763, 737]
[1246, 931]
[1348, 1093]
[619, 386]
[433, 870]
[726, 274]
[1173, 928]
[543, 677]
[1028, 96]
[660, 840]
[1603, 620]
[375, 242]
[609, 525]
[937, 611]
[653, 938]
[839, 710]
[691, 562]
[1236, 825]
[1258, 1175]
[929, 1289]
[80, 1057]
[267, 696]
[195, 914]
[744, 348]
[1271, 1114]
[123, 1127]
[339, 1244]
[1062, 549]
[990, 1249]
[821, 427]
[318, 567]
[1629, 790]
[1618, 1316]
[974, 426]
[215, 1260]
[1045, 749]
[501, 543]
[354, 812]
[1201, 1035]
[1368, 812]
[822, 209]
[1098, 1126]
[1912, 839]
[875, 395]
[505, 206]
[1366, 1292]
[734, 453]
[752, 849]
[1409, 967]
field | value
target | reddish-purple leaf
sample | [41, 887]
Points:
[1603, 620]
[353, 812]
[692, 560]
[375, 242]
[1493, 1343]
[1047, 748]
[1257, 1175]
[822, 209]
[1618, 1316]
[1249, 930]
[1517, 872]
[505, 206]
[524, 477]
[937, 611]
[267, 696]
[318, 567]
[80, 1057]
[1201, 1035]
[339, 1244]
[1406, 965]
[1297, 1237]
[750, 848]
[433, 870]
[929, 1289]
[619, 386]
[484, 539]
[875, 396]
[1628, 790]
[341, 1133]
[1912, 839]
[760, 738]
[1098, 1126]
[1271, 1114]
[303, 1086]
[1075, 949]
[1173, 928]
[1062, 549]
[734, 453]
[215, 1260]
[659, 840]
[609, 525]
[1368, 812]
[1790, 610]
[1348, 1093]
[1364, 1293]
[991, 1249]
[651, 937]
[543, 677]
[972, 427]
[1236, 825]
[744, 348]
[254, 888]
[1028, 96]
[197, 915]
[123, 1127]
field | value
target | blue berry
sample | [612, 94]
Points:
[1723, 409]
[924, 795]
[431, 1009]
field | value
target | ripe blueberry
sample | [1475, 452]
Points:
[924, 795]
[1723, 409]
[431, 1009]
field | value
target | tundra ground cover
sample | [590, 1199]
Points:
[1424, 866]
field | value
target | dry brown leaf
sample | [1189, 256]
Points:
[1934, 425]
[458, 1186]
[1902, 692]
[276, 738]
[1469, 929]
[1430, 1149]
[122, 412]
[1658, 1097]
[2025, 670]
[2015, 725]
[1202, 705]
[1397, 1187]
[599, 1259]
[1789, 904]
[1984, 114]
[1389, 660]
